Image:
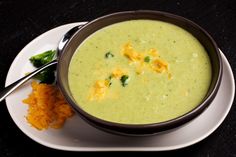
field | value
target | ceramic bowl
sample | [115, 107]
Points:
[139, 129]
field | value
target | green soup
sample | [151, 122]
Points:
[139, 72]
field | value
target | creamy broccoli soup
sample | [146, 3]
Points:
[139, 72]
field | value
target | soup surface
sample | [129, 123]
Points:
[139, 72]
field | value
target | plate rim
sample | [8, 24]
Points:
[73, 148]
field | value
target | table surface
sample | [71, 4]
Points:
[22, 21]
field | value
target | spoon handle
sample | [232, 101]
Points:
[9, 89]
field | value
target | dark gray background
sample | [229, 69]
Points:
[22, 21]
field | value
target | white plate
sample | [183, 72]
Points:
[77, 135]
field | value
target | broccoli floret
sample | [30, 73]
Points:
[42, 58]
[47, 75]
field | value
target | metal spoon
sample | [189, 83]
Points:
[9, 89]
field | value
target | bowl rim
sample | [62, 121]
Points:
[169, 123]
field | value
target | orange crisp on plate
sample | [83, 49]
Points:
[47, 107]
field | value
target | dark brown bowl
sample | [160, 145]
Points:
[140, 129]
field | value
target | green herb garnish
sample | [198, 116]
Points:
[47, 75]
[147, 59]
[124, 80]
[109, 55]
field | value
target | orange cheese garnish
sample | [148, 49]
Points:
[47, 107]
[130, 53]
[117, 73]
[99, 90]
[159, 65]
